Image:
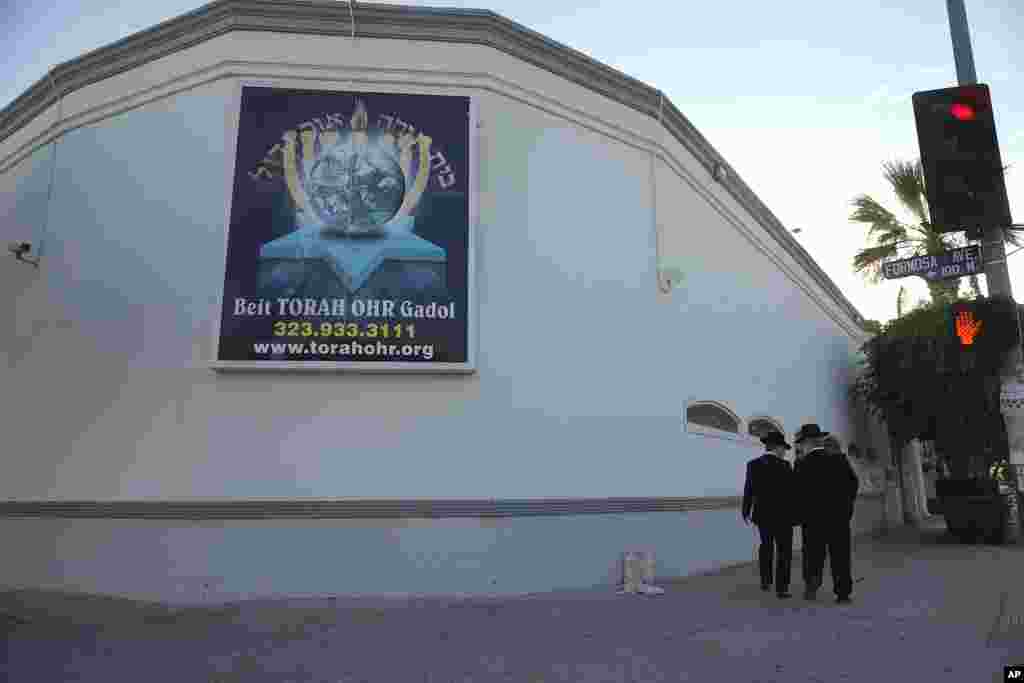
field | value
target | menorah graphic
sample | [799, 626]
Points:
[355, 192]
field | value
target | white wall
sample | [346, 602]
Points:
[584, 370]
[758, 342]
[23, 198]
[124, 294]
[218, 561]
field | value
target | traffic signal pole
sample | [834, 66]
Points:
[962, 54]
[997, 277]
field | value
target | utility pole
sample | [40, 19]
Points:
[997, 276]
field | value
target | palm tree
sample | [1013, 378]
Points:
[891, 238]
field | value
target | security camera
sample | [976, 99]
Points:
[21, 250]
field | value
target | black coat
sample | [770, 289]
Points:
[768, 491]
[826, 488]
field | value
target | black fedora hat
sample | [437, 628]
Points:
[774, 439]
[808, 431]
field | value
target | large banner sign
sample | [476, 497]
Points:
[349, 235]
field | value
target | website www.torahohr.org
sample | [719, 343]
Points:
[350, 349]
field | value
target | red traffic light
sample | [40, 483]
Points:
[969, 102]
[963, 111]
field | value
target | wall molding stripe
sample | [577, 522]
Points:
[398, 22]
[360, 508]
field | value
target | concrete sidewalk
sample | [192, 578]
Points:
[927, 609]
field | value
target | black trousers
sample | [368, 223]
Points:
[805, 567]
[832, 538]
[804, 564]
[775, 556]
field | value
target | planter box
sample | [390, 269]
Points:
[973, 508]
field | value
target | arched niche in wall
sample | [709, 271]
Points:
[713, 418]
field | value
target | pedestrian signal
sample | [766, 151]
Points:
[986, 328]
[967, 326]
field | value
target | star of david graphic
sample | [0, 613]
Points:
[354, 261]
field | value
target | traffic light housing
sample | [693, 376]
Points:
[963, 171]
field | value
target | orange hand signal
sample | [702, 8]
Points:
[967, 327]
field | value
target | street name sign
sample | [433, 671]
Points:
[945, 266]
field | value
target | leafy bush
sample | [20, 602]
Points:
[924, 385]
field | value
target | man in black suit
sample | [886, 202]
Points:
[827, 488]
[767, 501]
[806, 441]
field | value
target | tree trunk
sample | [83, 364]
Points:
[944, 291]
[911, 482]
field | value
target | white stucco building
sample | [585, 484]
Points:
[638, 311]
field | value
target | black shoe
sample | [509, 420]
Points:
[843, 600]
[783, 595]
[766, 586]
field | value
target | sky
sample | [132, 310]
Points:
[804, 99]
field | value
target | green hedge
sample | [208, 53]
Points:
[925, 385]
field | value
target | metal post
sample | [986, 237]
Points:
[993, 249]
[962, 54]
[997, 276]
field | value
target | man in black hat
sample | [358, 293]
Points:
[803, 441]
[827, 486]
[767, 501]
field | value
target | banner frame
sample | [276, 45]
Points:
[232, 129]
